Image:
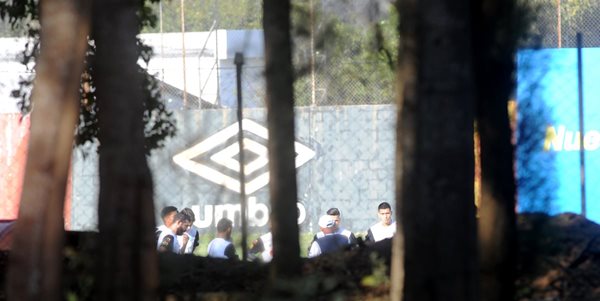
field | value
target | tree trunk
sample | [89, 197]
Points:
[37, 251]
[127, 265]
[435, 140]
[405, 134]
[494, 47]
[280, 119]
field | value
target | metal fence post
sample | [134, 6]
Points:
[581, 127]
[239, 61]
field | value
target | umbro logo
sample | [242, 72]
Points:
[216, 157]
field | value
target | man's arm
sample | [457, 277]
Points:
[166, 245]
[352, 239]
[315, 250]
[319, 234]
[230, 252]
[369, 238]
[184, 241]
[196, 241]
[257, 246]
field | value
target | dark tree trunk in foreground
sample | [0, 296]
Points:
[436, 113]
[127, 263]
[280, 119]
[495, 38]
[405, 136]
[37, 251]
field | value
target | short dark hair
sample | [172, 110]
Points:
[180, 216]
[189, 213]
[224, 224]
[334, 211]
[384, 205]
[167, 210]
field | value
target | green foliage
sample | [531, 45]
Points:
[159, 123]
[79, 265]
[379, 277]
[575, 16]
[355, 61]
[573, 9]
[201, 14]
[146, 14]
[311, 287]
[19, 14]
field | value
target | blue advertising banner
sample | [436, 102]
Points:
[548, 132]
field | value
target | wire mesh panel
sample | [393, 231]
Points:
[13, 152]
[14, 131]
[345, 159]
[556, 23]
[559, 136]
[344, 57]
[337, 57]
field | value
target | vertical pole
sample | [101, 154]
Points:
[217, 18]
[239, 61]
[581, 127]
[162, 48]
[185, 103]
[313, 97]
[558, 24]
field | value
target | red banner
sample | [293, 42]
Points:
[14, 138]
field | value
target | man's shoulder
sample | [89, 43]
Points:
[345, 232]
[193, 231]
[333, 236]
[380, 226]
[165, 233]
[220, 240]
[267, 236]
[375, 226]
[168, 238]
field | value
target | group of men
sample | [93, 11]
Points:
[333, 237]
[177, 234]
[180, 236]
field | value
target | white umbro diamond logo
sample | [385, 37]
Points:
[215, 158]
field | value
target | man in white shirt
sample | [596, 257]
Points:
[193, 236]
[262, 248]
[331, 241]
[221, 246]
[336, 216]
[385, 228]
[166, 214]
[167, 241]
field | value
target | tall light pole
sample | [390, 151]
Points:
[239, 61]
[185, 103]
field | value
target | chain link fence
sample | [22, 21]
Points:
[556, 23]
[350, 80]
[557, 144]
[13, 152]
[551, 104]
[337, 59]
